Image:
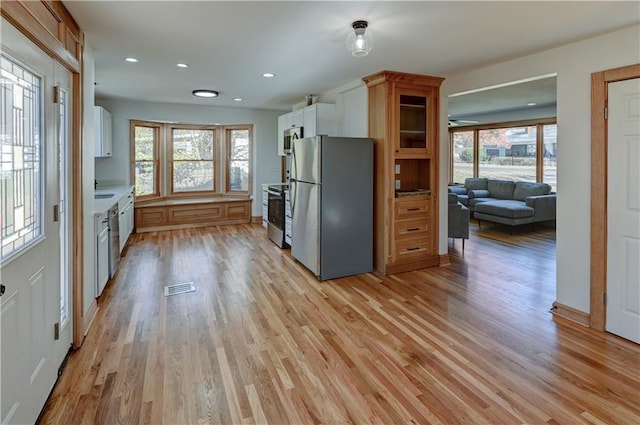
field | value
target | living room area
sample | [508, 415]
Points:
[503, 158]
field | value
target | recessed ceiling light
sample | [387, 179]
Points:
[205, 93]
[531, 104]
[268, 75]
[182, 65]
[130, 59]
[237, 99]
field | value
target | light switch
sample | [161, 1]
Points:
[397, 168]
[397, 184]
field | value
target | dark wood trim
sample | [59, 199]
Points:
[22, 18]
[599, 173]
[570, 313]
[78, 218]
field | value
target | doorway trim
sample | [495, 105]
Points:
[599, 173]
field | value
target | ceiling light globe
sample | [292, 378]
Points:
[360, 40]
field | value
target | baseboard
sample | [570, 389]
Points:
[87, 319]
[431, 261]
[570, 313]
[256, 219]
[444, 260]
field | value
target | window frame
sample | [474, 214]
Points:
[228, 160]
[157, 157]
[215, 161]
[539, 124]
[163, 158]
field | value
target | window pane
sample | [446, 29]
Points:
[239, 175]
[145, 180]
[20, 160]
[144, 142]
[192, 176]
[192, 144]
[239, 144]
[462, 151]
[508, 153]
[550, 164]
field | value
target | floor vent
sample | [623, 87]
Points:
[179, 288]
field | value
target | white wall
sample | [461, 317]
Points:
[266, 165]
[573, 64]
[352, 112]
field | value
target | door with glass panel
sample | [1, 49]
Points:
[33, 342]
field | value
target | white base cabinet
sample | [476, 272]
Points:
[126, 218]
[287, 218]
[102, 251]
[265, 206]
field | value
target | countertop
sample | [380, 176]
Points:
[102, 205]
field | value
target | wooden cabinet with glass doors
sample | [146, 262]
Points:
[403, 121]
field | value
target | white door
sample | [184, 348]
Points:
[30, 265]
[623, 210]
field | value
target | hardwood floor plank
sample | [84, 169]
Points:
[262, 341]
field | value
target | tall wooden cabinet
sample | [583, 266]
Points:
[403, 121]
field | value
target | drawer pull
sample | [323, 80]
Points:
[415, 248]
[413, 229]
[413, 209]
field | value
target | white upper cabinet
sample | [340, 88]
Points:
[102, 127]
[319, 118]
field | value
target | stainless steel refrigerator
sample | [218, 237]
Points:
[332, 205]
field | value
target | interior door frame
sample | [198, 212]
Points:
[599, 176]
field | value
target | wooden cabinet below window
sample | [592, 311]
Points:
[179, 215]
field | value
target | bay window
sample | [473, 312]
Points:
[192, 158]
[200, 160]
[145, 154]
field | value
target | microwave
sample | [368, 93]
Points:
[291, 134]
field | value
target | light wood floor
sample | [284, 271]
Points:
[262, 341]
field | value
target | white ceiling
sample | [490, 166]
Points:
[228, 45]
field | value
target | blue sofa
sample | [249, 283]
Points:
[507, 202]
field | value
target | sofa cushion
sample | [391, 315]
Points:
[505, 208]
[479, 193]
[501, 189]
[474, 183]
[476, 201]
[458, 190]
[453, 198]
[524, 189]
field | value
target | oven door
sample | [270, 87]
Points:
[275, 212]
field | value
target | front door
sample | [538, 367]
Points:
[30, 351]
[623, 204]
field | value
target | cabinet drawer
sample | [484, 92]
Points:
[406, 249]
[411, 229]
[407, 210]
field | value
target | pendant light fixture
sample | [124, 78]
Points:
[360, 41]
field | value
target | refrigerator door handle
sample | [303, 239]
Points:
[292, 197]
[294, 167]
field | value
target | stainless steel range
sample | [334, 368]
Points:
[275, 210]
